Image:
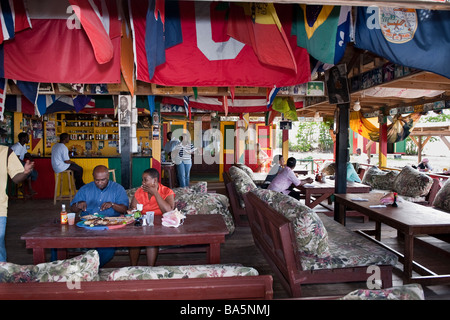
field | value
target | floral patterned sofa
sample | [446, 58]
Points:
[412, 291]
[197, 200]
[81, 278]
[410, 184]
[305, 247]
[442, 199]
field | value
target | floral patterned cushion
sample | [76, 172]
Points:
[200, 187]
[206, 203]
[180, 272]
[311, 235]
[442, 200]
[412, 183]
[379, 179]
[242, 182]
[412, 291]
[80, 268]
[347, 249]
[246, 169]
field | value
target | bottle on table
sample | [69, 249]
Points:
[63, 214]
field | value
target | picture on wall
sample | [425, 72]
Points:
[125, 110]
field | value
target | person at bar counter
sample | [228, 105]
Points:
[21, 151]
[170, 144]
[9, 165]
[61, 160]
[154, 197]
[104, 197]
[286, 178]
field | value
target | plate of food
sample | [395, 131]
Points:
[105, 223]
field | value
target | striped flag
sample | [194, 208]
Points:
[13, 18]
[29, 89]
[3, 83]
[151, 104]
[18, 103]
[271, 95]
[186, 106]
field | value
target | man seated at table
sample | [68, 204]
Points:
[104, 197]
[154, 197]
[286, 178]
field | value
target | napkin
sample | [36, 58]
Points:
[173, 219]
[359, 199]
[308, 185]
[378, 206]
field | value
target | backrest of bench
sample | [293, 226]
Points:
[274, 235]
[433, 191]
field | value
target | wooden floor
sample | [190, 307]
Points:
[238, 248]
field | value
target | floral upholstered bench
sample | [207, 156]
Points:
[304, 247]
[409, 183]
[81, 278]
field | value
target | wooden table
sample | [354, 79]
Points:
[207, 230]
[323, 190]
[410, 219]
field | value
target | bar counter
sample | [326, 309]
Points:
[45, 183]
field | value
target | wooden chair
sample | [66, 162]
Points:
[113, 173]
[238, 212]
[59, 182]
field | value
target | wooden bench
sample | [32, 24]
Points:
[247, 287]
[274, 235]
[239, 213]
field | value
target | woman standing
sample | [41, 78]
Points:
[181, 155]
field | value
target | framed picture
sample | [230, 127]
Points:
[46, 88]
[125, 110]
[315, 88]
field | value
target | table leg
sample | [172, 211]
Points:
[408, 258]
[378, 230]
[318, 200]
[38, 255]
[213, 253]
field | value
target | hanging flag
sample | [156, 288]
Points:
[272, 93]
[91, 16]
[151, 104]
[415, 38]
[323, 30]
[225, 105]
[258, 25]
[160, 29]
[28, 89]
[186, 105]
[13, 18]
[127, 55]
[80, 102]
[209, 57]
[68, 56]
[240, 104]
[19, 103]
[3, 84]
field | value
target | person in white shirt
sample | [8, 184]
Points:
[21, 151]
[61, 160]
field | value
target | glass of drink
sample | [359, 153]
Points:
[71, 218]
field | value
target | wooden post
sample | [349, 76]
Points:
[285, 146]
[382, 152]
[125, 151]
[342, 156]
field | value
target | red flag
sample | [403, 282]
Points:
[209, 57]
[89, 15]
[13, 18]
[257, 25]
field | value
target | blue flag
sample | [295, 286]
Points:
[413, 38]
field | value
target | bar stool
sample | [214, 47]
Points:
[113, 171]
[59, 180]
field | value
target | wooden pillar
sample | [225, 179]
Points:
[382, 152]
[342, 156]
[285, 146]
[125, 151]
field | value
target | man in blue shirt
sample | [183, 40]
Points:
[104, 197]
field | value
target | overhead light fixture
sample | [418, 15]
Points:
[106, 119]
[357, 106]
